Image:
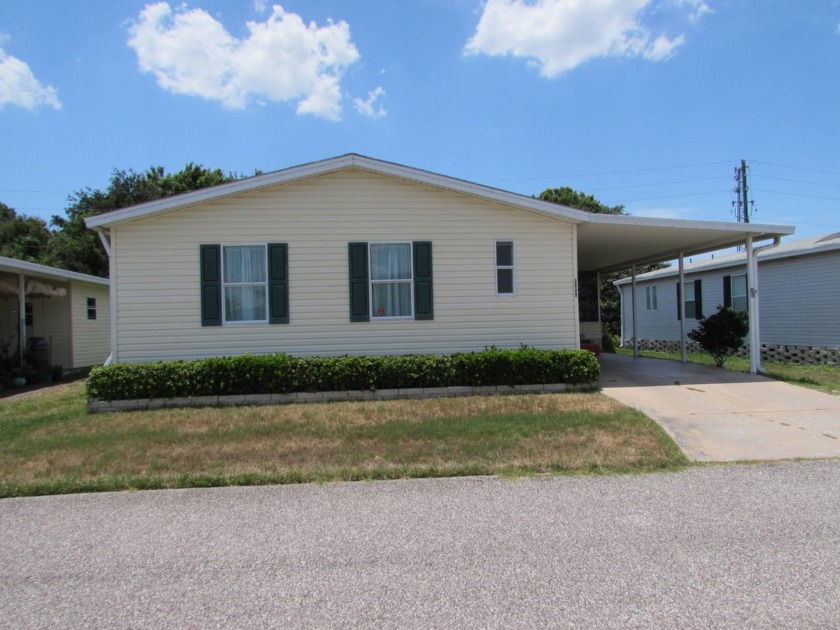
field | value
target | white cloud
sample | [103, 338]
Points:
[260, 6]
[282, 59]
[699, 8]
[559, 35]
[368, 107]
[18, 86]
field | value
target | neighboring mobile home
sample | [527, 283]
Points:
[66, 314]
[357, 256]
[799, 284]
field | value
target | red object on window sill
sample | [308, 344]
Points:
[594, 348]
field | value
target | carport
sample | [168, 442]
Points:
[608, 242]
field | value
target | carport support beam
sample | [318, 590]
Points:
[681, 308]
[22, 319]
[633, 308]
[752, 311]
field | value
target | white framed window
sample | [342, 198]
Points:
[738, 287]
[391, 280]
[244, 284]
[505, 268]
[650, 298]
[691, 300]
[91, 308]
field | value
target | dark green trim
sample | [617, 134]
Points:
[698, 299]
[278, 283]
[423, 288]
[211, 285]
[727, 291]
[357, 254]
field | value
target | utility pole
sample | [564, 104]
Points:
[742, 204]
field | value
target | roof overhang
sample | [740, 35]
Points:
[349, 162]
[35, 270]
[613, 242]
[605, 242]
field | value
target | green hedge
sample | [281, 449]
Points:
[281, 374]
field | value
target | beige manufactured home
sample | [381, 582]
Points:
[63, 314]
[358, 256]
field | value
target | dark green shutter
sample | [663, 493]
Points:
[423, 299]
[211, 285]
[698, 300]
[278, 283]
[359, 294]
[679, 302]
[727, 291]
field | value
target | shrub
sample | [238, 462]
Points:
[722, 333]
[281, 374]
[607, 340]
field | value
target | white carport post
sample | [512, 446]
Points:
[598, 294]
[752, 311]
[22, 318]
[681, 309]
[633, 307]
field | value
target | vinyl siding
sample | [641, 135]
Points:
[158, 309]
[91, 338]
[799, 298]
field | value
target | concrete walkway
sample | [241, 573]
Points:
[719, 415]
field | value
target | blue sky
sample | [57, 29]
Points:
[646, 103]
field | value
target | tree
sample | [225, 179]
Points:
[73, 246]
[721, 334]
[21, 236]
[567, 196]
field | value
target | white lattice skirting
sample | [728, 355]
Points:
[811, 355]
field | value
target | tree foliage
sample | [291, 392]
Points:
[21, 236]
[722, 333]
[75, 247]
[572, 198]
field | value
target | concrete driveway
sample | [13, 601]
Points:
[718, 415]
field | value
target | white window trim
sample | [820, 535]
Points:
[248, 322]
[497, 266]
[690, 288]
[732, 295]
[651, 302]
[91, 309]
[373, 316]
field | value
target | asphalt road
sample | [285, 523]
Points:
[724, 547]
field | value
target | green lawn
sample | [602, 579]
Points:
[825, 378]
[49, 444]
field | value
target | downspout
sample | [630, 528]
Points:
[22, 318]
[633, 306]
[105, 239]
[621, 312]
[752, 294]
[600, 339]
[681, 309]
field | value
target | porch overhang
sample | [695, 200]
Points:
[614, 242]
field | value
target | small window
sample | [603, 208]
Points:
[650, 298]
[504, 268]
[244, 283]
[391, 280]
[91, 308]
[28, 314]
[690, 301]
[739, 292]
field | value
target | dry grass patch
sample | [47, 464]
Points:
[49, 444]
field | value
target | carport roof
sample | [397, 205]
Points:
[605, 242]
[35, 270]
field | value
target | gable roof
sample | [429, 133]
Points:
[789, 249]
[605, 241]
[12, 265]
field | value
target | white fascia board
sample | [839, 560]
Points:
[743, 228]
[331, 165]
[786, 250]
[43, 271]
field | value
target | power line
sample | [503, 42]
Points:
[711, 192]
[797, 181]
[798, 168]
[780, 192]
[623, 172]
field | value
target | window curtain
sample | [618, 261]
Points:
[245, 288]
[390, 266]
